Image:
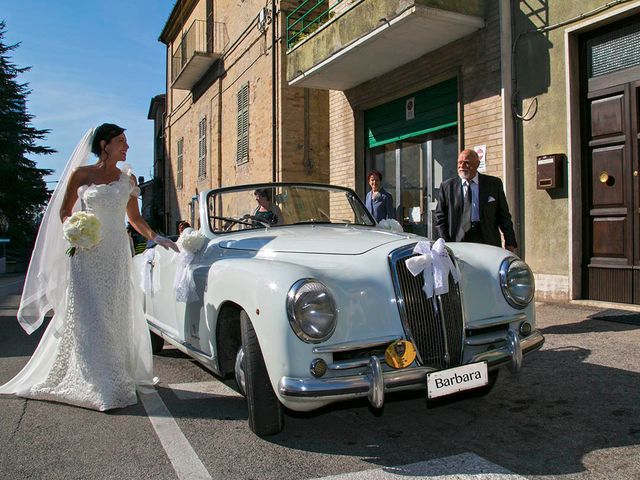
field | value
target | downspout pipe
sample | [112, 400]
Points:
[274, 131]
[510, 156]
[166, 140]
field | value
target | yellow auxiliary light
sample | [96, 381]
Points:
[318, 367]
[400, 354]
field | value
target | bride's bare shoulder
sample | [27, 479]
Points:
[83, 175]
[86, 169]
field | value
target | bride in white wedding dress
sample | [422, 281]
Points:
[96, 350]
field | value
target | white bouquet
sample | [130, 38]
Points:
[391, 225]
[82, 230]
[191, 240]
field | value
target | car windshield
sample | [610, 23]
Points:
[275, 205]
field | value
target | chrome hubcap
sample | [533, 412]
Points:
[239, 370]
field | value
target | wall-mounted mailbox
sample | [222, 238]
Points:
[549, 171]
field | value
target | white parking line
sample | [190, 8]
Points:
[466, 466]
[184, 459]
[200, 390]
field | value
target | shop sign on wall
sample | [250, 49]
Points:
[481, 150]
[410, 113]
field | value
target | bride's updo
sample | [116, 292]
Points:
[105, 132]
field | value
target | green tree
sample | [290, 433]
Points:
[23, 191]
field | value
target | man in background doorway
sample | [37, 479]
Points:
[472, 207]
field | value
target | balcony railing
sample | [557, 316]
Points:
[306, 19]
[201, 45]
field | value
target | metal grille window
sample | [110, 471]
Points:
[242, 153]
[202, 148]
[614, 51]
[179, 163]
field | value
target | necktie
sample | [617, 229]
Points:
[465, 221]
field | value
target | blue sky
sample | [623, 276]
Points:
[93, 61]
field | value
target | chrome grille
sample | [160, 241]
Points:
[435, 325]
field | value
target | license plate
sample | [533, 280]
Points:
[458, 379]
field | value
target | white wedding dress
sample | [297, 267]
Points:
[97, 350]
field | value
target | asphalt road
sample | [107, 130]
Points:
[572, 413]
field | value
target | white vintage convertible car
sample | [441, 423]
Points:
[315, 304]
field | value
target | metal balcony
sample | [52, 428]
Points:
[350, 46]
[201, 46]
[307, 18]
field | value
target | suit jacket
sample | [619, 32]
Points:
[494, 215]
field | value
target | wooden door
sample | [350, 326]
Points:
[613, 264]
[635, 178]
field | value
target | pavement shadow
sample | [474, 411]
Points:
[15, 341]
[543, 421]
[618, 316]
[596, 324]
[587, 326]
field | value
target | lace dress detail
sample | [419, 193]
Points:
[98, 363]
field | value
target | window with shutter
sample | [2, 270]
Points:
[179, 163]
[202, 148]
[242, 154]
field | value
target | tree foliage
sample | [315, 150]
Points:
[23, 191]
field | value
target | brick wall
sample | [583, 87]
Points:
[305, 135]
[341, 144]
[302, 152]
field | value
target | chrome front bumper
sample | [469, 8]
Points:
[376, 383]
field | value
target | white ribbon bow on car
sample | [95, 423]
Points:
[435, 264]
[183, 283]
[150, 280]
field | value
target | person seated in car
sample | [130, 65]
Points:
[182, 225]
[266, 211]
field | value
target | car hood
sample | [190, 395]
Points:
[319, 239]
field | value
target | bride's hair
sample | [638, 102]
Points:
[105, 132]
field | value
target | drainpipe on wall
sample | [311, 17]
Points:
[167, 146]
[510, 164]
[219, 133]
[274, 130]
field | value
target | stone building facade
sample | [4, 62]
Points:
[229, 121]
[546, 91]
[539, 87]
[152, 191]
[410, 83]
[576, 84]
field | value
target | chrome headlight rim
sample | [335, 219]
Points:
[295, 322]
[512, 300]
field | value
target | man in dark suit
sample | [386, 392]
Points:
[473, 208]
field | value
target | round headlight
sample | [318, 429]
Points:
[311, 310]
[517, 282]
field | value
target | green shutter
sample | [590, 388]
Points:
[242, 150]
[436, 108]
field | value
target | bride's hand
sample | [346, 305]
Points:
[166, 243]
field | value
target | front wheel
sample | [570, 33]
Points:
[265, 410]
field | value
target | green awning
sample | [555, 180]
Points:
[435, 108]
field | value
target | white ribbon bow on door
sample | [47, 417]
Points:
[435, 264]
[150, 280]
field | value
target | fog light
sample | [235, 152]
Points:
[525, 329]
[318, 367]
